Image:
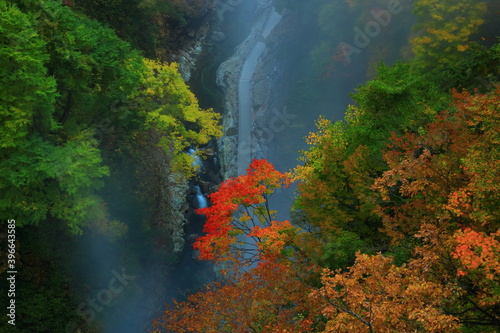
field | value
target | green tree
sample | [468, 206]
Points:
[53, 70]
[41, 180]
[477, 70]
[346, 156]
[27, 93]
[92, 66]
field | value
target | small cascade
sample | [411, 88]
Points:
[204, 175]
[197, 162]
[201, 200]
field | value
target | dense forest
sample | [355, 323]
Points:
[395, 226]
[85, 102]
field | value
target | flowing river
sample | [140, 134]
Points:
[263, 100]
[245, 85]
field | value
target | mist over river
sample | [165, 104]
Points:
[257, 68]
[128, 132]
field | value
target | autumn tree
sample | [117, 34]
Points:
[442, 189]
[333, 191]
[434, 174]
[269, 298]
[375, 295]
[265, 285]
[240, 225]
[444, 30]
[479, 266]
[428, 190]
[170, 109]
[345, 157]
[440, 182]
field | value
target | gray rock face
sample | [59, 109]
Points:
[187, 57]
[229, 76]
[176, 189]
[217, 36]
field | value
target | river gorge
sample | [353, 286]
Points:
[252, 64]
[249, 165]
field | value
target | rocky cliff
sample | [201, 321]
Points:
[169, 205]
[261, 83]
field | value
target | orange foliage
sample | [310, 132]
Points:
[270, 298]
[447, 174]
[376, 296]
[439, 197]
[479, 256]
[273, 239]
[442, 187]
[476, 250]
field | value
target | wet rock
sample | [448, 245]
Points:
[204, 186]
[213, 189]
[185, 207]
[192, 237]
[231, 131]
[175, 196]
[217, 36]
[178, 242]
[187, 57]
[209, 151]
[196, 255]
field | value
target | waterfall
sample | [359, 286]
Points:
[197, 162]
[201, 200]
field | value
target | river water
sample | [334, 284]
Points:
[141, 276]
[291, 113]
[245, 84]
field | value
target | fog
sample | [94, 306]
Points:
[124, 284]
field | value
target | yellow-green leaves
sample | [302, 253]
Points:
[170, 108]
[445, 28]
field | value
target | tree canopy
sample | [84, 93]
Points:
[71, 90]
[395, 227]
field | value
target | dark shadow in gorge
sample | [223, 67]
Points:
[312, 82]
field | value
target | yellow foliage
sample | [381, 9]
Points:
[170, 108]
[446, 28]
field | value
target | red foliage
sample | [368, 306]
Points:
[236, 208]
[270, 298]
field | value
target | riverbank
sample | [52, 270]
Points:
[237, 79]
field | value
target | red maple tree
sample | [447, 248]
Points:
[240, 226]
